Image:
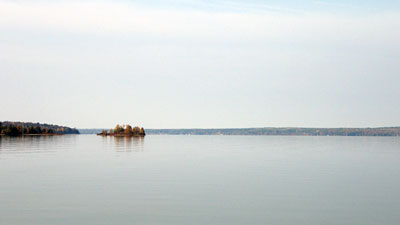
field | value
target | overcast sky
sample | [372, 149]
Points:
[201, 63]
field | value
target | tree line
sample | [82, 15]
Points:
[27, 128]
[379, 131]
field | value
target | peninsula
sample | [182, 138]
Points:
[125, 130]
[8, 128]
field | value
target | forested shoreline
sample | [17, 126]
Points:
[8, 128]
[286, 131]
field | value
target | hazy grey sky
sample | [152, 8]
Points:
[184, 64]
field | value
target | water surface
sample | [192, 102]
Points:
[87, 179]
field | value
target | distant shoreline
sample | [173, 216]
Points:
[33, 135]
[271, 131]
[17, 128]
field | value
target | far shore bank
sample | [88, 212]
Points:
[32, 135]
[283, 131]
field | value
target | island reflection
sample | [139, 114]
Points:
[126, 144]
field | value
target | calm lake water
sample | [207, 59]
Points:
[157, 180]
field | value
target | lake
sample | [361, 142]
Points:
[157, 180]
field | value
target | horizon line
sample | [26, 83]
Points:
[398, 126]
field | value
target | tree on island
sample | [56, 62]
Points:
[141, 132]
[118, 129]
[125, 130]
[128, 129]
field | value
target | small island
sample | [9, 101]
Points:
[124, 131]
[8, 128]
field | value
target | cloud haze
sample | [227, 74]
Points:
[94, 64]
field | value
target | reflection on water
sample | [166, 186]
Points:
[52, 144]
[181, 180]
[126, 144]
[35, 144]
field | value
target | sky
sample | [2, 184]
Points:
[201, 63]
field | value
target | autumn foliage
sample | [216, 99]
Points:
[124, 130]
[27, 128]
